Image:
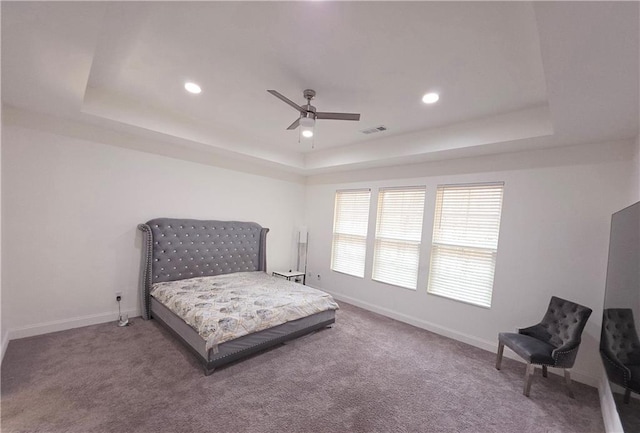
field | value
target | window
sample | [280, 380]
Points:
[350, 222]
[465, 242]
[398, 235]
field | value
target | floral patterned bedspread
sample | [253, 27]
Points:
[225, 307]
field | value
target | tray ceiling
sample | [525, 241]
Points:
[511, 75]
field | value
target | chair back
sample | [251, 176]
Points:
[619, 336]
[564, 322]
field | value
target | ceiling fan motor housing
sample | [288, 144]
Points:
[309, 94]
[310, 111]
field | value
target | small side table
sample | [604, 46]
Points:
[289, 275]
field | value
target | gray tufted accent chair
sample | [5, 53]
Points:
[620, 349]
[553, 342]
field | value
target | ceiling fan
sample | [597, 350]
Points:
[308, 113]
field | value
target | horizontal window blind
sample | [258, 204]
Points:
[350, 223]
[465, 242]
[398, 236]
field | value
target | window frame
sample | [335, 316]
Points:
[416, 243]
[437, 243]
[364, 238]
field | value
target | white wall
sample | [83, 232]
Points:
[71, 206]
[4, 335]
[70, 211]
[553, 241]
[636, 175]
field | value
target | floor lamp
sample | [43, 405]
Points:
[303, 238]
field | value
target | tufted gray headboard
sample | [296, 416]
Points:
[176, 249]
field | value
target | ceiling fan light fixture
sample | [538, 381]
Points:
[192, 87]
[430, 98]
[306, 126]
[307, 122]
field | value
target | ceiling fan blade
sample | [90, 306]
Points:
[295, 124]
[338, 116]
[286, 100]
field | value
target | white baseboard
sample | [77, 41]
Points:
[610, 417]
[63, 325]
[5, 343]
[490, 346]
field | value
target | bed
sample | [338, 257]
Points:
[206, 282]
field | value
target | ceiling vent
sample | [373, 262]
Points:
[374, 130]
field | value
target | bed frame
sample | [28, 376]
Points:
[177, 249]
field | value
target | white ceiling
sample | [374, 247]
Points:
[511, 75]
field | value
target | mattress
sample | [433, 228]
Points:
[224, 307]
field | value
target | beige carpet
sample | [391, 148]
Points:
[367, 374]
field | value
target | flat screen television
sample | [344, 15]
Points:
[619, 344]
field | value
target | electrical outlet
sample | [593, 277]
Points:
[318, 276]
[118, 296]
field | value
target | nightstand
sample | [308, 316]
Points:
[289, 275]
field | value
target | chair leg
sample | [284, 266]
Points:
[627, 395]
[567, 380]
[499, 358]
[544, 371]
[528, 378]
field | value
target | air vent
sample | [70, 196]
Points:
[374, 130]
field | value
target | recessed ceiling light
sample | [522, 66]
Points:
[430, 98]
[192, 87]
